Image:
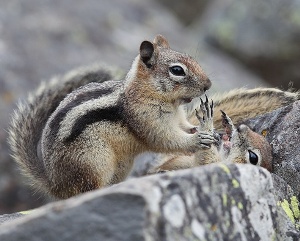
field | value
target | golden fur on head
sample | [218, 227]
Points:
[161, 41]
[249, 147]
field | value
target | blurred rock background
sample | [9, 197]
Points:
[238, 43]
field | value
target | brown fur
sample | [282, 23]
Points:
[242, 104]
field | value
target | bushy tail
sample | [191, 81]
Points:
[242, 104]
[30, 117]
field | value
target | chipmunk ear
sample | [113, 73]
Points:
[146, 52]
[161, 41]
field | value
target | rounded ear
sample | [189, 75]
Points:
[161, 41]
[146, 52]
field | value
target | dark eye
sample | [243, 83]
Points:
[253, 158]
[177, 70]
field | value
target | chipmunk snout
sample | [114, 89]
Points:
[208, 84]
[242, 128]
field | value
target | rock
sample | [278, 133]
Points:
[289, 203]
[8, 217]
[213, 202]
[264, 35]
[186, 10]
[283, 130]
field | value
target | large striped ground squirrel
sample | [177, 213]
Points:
[90, 138]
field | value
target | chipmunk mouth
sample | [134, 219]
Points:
[226, 144]
[190, 99]
[187, 100]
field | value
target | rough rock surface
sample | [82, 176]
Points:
[213, 202]
[289, 203]
[283, 131]
[7, 217]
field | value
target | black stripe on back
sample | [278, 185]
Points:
[111, 114]
[80, 98]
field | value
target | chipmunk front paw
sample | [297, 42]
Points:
[205, 139]
[206, 119]
[206, 127]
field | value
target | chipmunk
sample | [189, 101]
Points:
[72, 143]
[242, 104]
[236, 145]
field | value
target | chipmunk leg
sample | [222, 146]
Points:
[209, 155]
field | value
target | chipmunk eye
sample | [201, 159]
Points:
[177, 70]
[253, 158]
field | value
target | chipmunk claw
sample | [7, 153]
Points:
[205, 116]
[227, 124]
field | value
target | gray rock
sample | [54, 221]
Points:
[263, 34]
[213, 202]
[186, 10]
[8, 217]
[283, 131]
[289, 205]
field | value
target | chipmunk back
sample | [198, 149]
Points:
[90, 138]
[241, 104]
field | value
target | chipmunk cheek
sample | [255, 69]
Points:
[239, 160]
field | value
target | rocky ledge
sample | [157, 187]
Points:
[213, 202]
[282, 128]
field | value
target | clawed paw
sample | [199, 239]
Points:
[206, 117]
[206, 131]
[227, 124]
[206, 139]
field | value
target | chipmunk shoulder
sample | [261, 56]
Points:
[72, 143]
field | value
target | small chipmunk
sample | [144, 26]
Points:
[88, 139]
[237, 145]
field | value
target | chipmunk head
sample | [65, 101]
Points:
[167, 74]
[250, 147]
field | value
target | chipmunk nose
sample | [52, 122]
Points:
[208, 84]
[242, 128]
